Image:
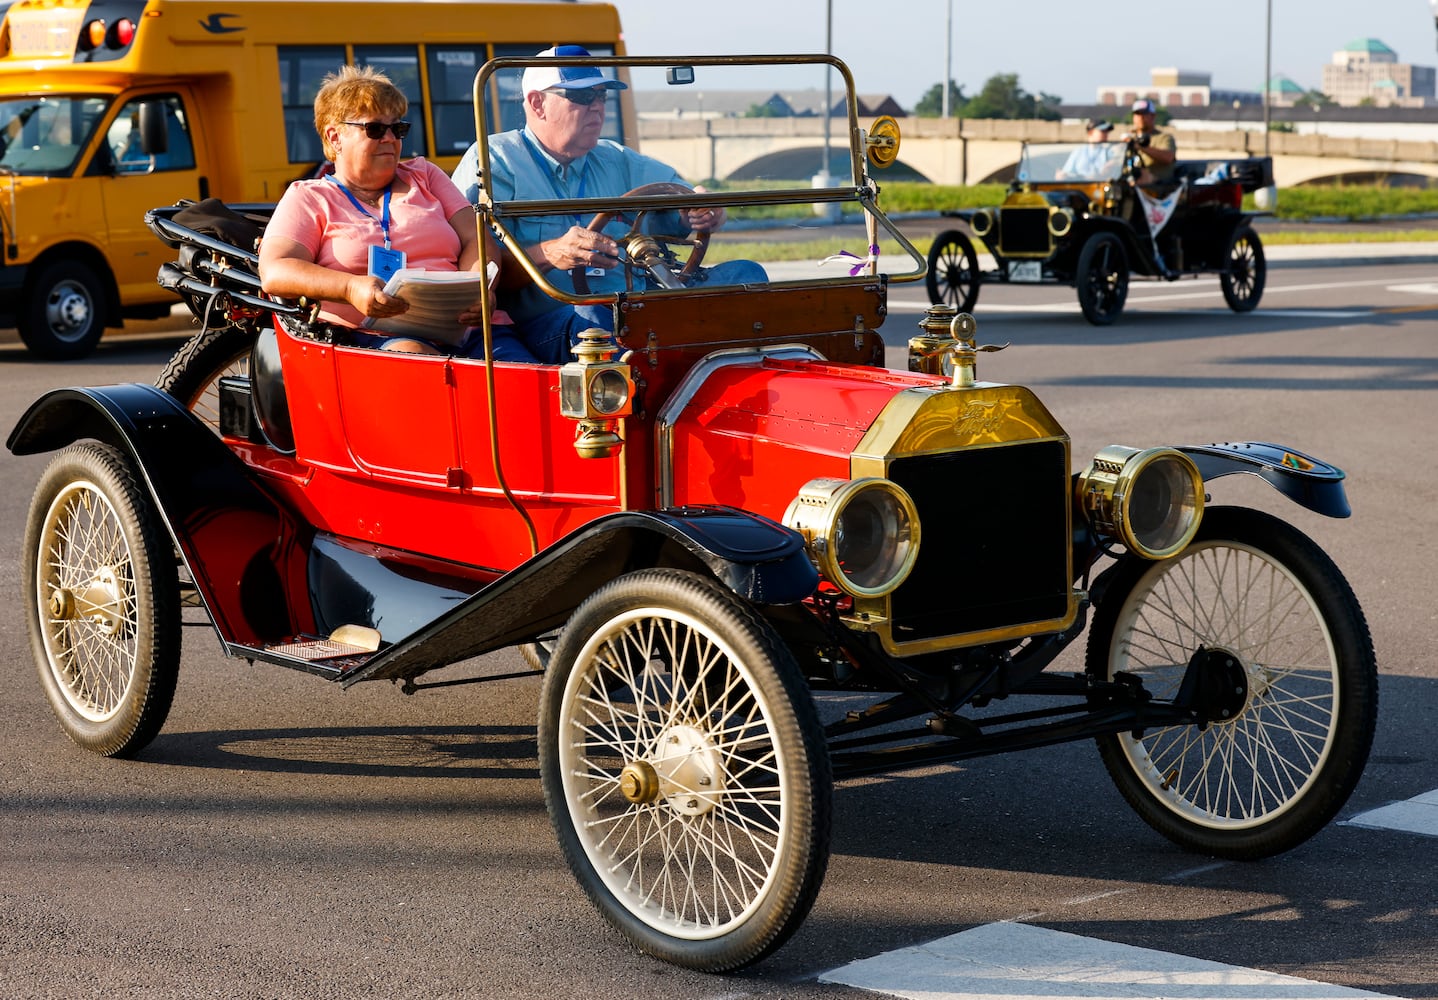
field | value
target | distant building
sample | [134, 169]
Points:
[1284, 93]
[1175, 88]
[1366, 71]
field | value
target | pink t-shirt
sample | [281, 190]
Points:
[319, 216]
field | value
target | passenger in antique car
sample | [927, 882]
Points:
[1091, 160]
[336, 239]
[559, 154]
[1158, 150]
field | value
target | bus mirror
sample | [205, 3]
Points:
[679, 76]
[154, 128]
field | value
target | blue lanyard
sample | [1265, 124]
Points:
[548, 171]
[384, 212]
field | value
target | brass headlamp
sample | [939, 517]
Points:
[597, 391]
[1151, 501]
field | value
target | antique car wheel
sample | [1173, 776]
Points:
[193, 375]
[953, 276]
[1256, 621]
[685, 771]
[1102, 279]
[63, 315]
[1246, 270]
[699, 241]
[101, 599]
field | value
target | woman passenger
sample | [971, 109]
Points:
[336, 239]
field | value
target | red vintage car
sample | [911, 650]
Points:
[698, 534]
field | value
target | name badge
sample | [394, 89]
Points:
[383, 263]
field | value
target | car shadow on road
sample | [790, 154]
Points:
[491, 752]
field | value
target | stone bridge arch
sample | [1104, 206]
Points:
[974, 151]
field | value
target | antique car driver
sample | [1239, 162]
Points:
[559, 154]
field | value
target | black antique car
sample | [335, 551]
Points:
[1077, 215]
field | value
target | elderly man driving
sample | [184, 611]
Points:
[559, 154]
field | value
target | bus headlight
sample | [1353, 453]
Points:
[1151, 501]
[862, 534]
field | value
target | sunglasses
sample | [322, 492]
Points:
[376, 130]
[582, 97]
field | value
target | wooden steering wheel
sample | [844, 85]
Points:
[698, 240]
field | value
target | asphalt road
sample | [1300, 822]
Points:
[282, 838]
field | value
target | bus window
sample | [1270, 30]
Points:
[511, 101]
[44, 135]
[302, 69]
[124, 138]
[451, 94]
[401, 64]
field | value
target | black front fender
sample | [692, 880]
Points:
[761, 561]
[1307, 481]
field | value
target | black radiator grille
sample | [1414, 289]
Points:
[1024, 230]
[995, 545]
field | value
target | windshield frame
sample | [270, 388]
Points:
[1045, 162]
[857, 190]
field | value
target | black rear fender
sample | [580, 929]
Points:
[245, 552]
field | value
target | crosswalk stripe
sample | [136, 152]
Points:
[1416, 815]
[1013, 961]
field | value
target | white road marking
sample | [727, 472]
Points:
[1416, 815]
[1429, 288]
[1010, 961]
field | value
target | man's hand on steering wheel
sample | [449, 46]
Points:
[705, 220]
[581, 247]
[664, 271]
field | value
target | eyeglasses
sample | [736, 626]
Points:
[376, 130]
[582, 97]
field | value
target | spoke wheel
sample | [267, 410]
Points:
[1255, 613]
[102, 601]
[193, 375]
[1247, 270]
[1102, 279]
[953, 275]
[685, 771]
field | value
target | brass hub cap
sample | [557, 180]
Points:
[99, 600]
[639, 782]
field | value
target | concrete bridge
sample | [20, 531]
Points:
[974, 151]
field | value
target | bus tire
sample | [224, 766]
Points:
[63, 316]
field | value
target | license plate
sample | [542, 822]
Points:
[1027, 270]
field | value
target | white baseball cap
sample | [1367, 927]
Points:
[566, 77]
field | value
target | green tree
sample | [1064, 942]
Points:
[1002, 97]
[931, 105]
[761, 111]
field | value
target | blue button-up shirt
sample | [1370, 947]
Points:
[524, 171]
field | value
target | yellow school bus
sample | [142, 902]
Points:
[112, 107]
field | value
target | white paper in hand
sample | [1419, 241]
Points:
[436, 298]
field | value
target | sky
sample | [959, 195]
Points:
[1064, 47]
